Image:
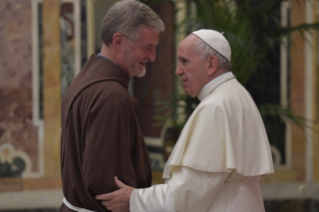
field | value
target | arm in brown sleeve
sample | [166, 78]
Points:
[107, 146]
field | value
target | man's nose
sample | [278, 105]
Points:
[178, 71]
[152, 55]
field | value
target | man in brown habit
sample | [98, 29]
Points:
[101, 137]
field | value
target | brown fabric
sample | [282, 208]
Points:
[101, 137]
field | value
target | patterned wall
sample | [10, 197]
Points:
[18, 135]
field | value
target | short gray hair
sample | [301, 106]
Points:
[127, 17]
[207, 51]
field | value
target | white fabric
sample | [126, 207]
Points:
[216, 40]
[157, 198]
[218, 160]
[224, 133]
[193, 191]
[67, 204]
[220, 77]
[197, 191]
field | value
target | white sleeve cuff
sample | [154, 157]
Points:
[157, 198]
[193, 190]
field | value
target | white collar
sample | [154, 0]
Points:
[220, 77]
[207, 89]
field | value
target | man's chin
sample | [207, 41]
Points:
[188, 93]
[142, 73]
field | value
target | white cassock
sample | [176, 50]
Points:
[219, 159]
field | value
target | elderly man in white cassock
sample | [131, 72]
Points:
[223, 150]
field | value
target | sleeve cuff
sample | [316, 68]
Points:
[157, 198]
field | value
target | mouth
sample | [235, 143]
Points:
[143, 64]
[185, 83]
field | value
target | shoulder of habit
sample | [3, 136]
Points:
[96, 69]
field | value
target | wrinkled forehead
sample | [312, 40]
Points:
[147, 36]
[188, 45]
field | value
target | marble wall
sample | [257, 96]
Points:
[52, 98]
[18, 135]
[29, 142]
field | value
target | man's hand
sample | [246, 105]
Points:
[117, 201]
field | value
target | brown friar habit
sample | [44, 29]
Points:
[101, 137]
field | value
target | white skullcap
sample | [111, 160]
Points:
[215, 40]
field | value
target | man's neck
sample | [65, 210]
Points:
[212, 80]
[109, 53]
[218, 73]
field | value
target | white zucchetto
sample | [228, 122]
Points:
[215, 40]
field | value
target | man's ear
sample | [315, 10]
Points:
[212, 65]
[118, 40]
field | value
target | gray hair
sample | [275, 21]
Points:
[127, 17]
[207, 51]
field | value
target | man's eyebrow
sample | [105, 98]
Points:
[182, 58]
[147, 45]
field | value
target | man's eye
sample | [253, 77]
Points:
[145, 49]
